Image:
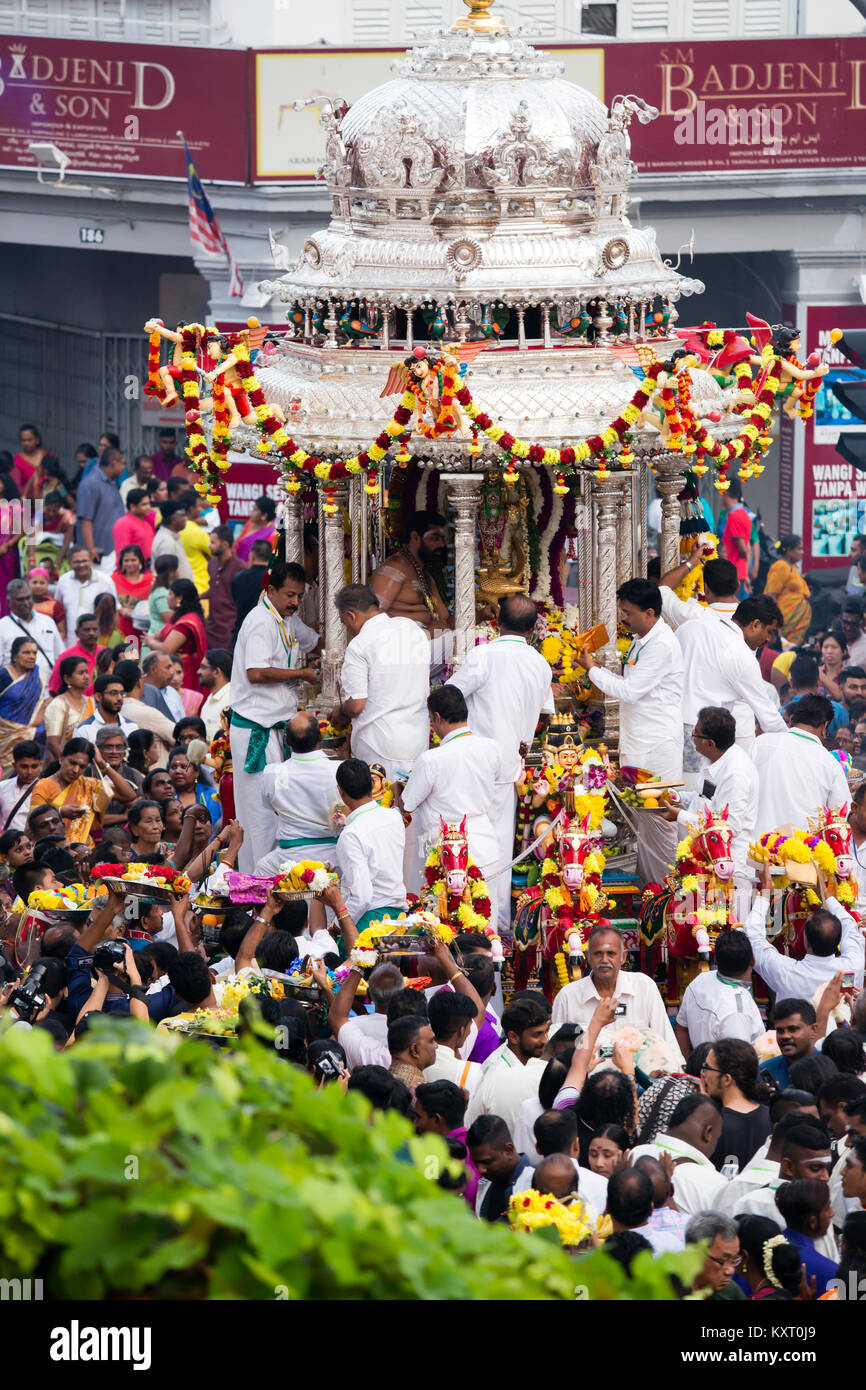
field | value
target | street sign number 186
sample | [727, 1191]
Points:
[91, 236]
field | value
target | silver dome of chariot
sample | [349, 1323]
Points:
[477, 194]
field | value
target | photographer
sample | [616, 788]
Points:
[98, 950]
[128, 989]
[40, 994]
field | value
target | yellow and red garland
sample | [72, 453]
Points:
[687, 434]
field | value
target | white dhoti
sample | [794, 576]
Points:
[259, 822]
[322, 850]
[656, 847]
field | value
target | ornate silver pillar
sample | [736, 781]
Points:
[464, 495]
[669, 481]
[625, 563]
[332, 577]
[294, 528]
[607, 499]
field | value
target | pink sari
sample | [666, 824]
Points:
[194, 646]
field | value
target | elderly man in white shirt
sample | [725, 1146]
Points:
[23, 621]
[730, 785]
[797, 775]
[649, 692]
[369, 851]
[640, 1004]
[385, 680]
[303, 794]
[507, 688]
[720, 669]
[265, 673]
[828, 929]
[461, 778]
[81, 586]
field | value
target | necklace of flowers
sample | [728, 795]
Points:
[196, 444]
[470, 916]
[153, 385]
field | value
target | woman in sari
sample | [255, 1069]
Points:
[788, 587]
[192, 700]
[68, 708]
[183, 635]
[133, 582]
[260, 527]
[27, 469]
[22, 699]
[81, 800]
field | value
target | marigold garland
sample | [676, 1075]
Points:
[153, 386]
[686, 434]
[472, 916]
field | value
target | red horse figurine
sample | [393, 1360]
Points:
[553, 918]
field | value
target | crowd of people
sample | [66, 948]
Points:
[183, 629]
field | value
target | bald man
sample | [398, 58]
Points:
[507, 689]
[302, 793]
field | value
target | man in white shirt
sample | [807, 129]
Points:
[108, 696]
[828, 929]
[81, 586]
[805, 1154]
[720, 669]
[215, 675]
[142, 715]
[730, 784]
[693, 1132]
[507, 688]
[265, 673]
[511, 1074]
[718, 1003]
[797, 775]
[23, 621]
[302, 793]
[385, 680]
[720, 584]
[452, 1017]
[640, 1004]
[649, 692]
[15, 790]
[461, 778]
[364, 1039]
[369, 852]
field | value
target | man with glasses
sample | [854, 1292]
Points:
[722, 1258]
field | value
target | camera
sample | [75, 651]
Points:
[29, 999]
[109, 956]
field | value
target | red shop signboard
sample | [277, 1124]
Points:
[116, 108]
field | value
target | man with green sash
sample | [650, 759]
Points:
[268, 663]
[302, 794]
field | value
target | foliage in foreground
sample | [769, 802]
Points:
[134, 1163]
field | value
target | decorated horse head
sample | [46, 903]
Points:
[576, 841]
[454, 848]
[833, 829]
[709, 848]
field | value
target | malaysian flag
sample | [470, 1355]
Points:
[204, 230]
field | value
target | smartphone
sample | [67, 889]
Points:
[848, 979]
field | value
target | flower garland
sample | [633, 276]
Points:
[688, 434]
[557, 896]
[471, 916]
[445, 422]
[153, 386]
